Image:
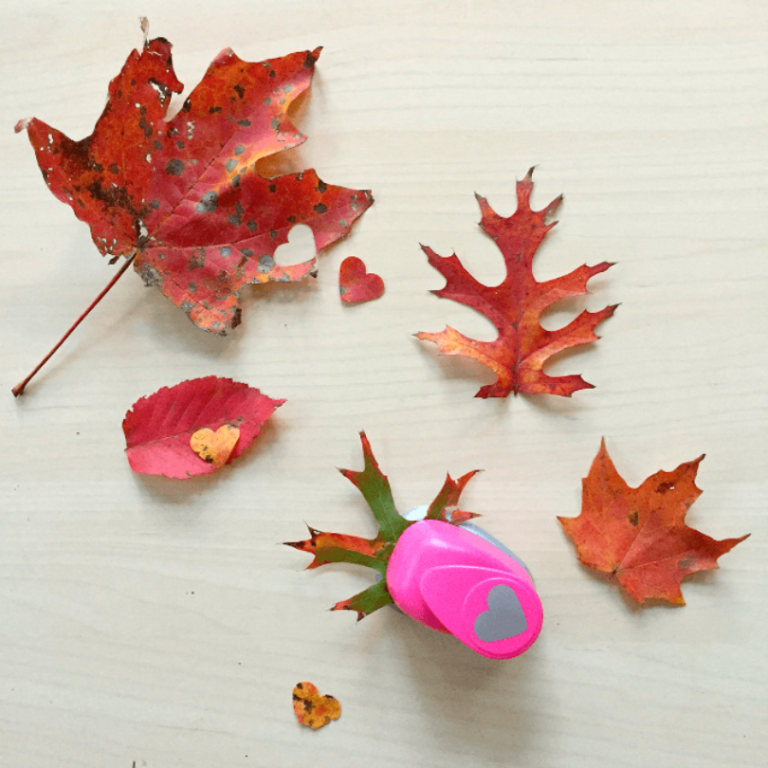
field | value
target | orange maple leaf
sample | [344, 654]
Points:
[639, 535]
[515, 306]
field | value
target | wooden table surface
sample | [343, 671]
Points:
[160, 622]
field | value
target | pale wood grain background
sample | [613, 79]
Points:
[158, 621]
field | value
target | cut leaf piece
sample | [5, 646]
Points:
[181, 197]
[356, 285]
[311, 708]
[195, 427]
[639, 535]
[375, 553]
[215, 447]
[515, 306]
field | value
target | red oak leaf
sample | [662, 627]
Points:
[639, 535]
[181, 197]
[195, 427]
[515, 306]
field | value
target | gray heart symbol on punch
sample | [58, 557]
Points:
[504, 617]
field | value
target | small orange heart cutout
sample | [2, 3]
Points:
[215, 447]
[311, 708]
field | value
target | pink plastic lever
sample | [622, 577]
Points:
[457, 582]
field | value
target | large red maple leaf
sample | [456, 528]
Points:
[639, 535]
[515, 306]
[181, 196]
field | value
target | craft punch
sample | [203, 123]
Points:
[462, 581]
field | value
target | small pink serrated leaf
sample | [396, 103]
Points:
[158, 428]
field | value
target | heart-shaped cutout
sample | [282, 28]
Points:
[311, 708]
[504, 618]
[356, 285]
[215, 447]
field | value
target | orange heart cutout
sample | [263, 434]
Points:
[355, 284]
[215, 447]
[311, 708]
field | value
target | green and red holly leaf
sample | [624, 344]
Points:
[376, 552]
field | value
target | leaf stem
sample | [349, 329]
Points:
[19, 388]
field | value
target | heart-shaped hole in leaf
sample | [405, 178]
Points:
[299, 249]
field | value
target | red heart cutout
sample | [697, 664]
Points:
[356, 285]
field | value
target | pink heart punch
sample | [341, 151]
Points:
[461, 581]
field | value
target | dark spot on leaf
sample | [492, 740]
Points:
[273, 233]
[239, 90]
[237, 318]
[175, 167]
[239, 149]
[275, 124]
[231, 164]
[146, 127]
[197, 261]
[192, 287]
[292, 219]
[98, 167]
[236, 181]
[273, 187]
[213, 110]
[187, 106]
[244, 123]
[272, 73]
[247, 252]
[235, 220]
[686, 563]
[633, 517]
[664, 487]
[133, 81]
[119, 94]
[155, 204]
[321, 207]
[156, 144]
[225, 251]
[309, 62]
[266, 263]
[321, 186]
[252, 225]
[113, 168]
[209, 203]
